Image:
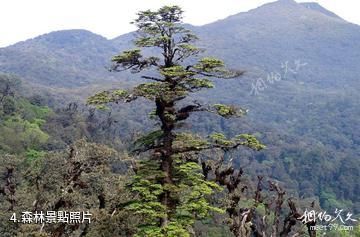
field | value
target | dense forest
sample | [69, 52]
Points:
[250, 166]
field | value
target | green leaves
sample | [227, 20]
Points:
[18, 134]
[189, 141]
[170, 14]
[195, 84]
[249, 141]
[186, 38]
[175, 72]
[184, 78]
[209, 64]
[120, 93]
[128, 57]
[148, 141]
[175, 229]
[148, 190]
[194, 192]
[166, 14]
[106, 97]
[152, 90]
[33, 155]
[100, 98]
[220, 139]
[133, 60]
[152, 41]
[227, 111]
[154, 25]
[213, 67]
[185, 50]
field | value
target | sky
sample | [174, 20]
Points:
[24, 19]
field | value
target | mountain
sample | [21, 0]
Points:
[284, 30]
[302, 80]
[68, 58]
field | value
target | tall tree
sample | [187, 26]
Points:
[171, 188]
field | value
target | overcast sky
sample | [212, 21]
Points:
[24, 19]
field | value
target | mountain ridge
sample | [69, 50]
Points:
[317, 7]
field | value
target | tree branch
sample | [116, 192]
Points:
[152, 78]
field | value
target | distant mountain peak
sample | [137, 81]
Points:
[285, 11]
[280, 5]
[317, 7]
[283, 2]
[63, 38]
[287, 1]
[72, 35]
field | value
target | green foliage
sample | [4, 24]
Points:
[33, 155]
[147, 206]
[329, 200]
[209, 64]
[197, 84]
[20, 121]
[249, 141]
[246, 140]
[153, 90]
[105, 97]
[151, 139]
[194, 190]
[188, 141]
[228, 111]
[128, 56]
[19, 135]
[191, 192]
[354, 232]
[133, 60]
[8, 106]
[219, 138]
[32, 112]
[79, 178]
[176, 72]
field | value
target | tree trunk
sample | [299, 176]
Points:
[166, 156]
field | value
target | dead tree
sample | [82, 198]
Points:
[9, 188]
[247, 221]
